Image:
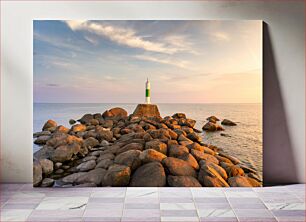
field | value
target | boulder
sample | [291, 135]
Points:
[41, 140]
[190, 123]
[194, 137]
[179, 132]
[234, 160]
[160, 134]
[91, 142]
[184, 138]
[105, 163]
[62, 129]
[204, 156]
[224, 159]
[86, 166]
[147, 137]
[209, 126]
[235, 170]
[106, 156]
[117, 176]
[209, 177]
[190, 160]
[172, 142]
[240, 181]
[94, 176]
[37, 173]
[47, 166]
[47, 182]
[72, 177]
[225, 165]
[43, 133]
[178, 167]
[182, 181]
[59, 171]
[59, 139]
[204, 149]
[98, 116]
[177, 150]
[44, 152]
[185, 143]
[118, 112]
[146, 110]
[78, 128]
[108, 123]
[129, 158]
[96, 153]
[86, 119]
[65, 152]
[157, 145]
[104, 143]
[103, 134]
[94, 122]
[179, 115]
[196, 146]
[187, 129]
[151, 155]
[228, 122]
[172, 134]
[107, 114]
[247, 169]
[72, 121]
[149, 175]
[87, 158]
[57, 165]
[49, 124]
[212, 119]
[130, 146]
[220, 170]
[254, 176]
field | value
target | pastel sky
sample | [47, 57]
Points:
[186, 61]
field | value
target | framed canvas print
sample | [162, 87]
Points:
[147, 103]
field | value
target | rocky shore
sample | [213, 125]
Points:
[141, 150]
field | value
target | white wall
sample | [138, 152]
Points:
[284, 125]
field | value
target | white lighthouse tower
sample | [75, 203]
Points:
[147, 109]
[148, 93]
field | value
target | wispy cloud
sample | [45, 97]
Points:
[220, 36]
[168, 61]
[57, 42]
[127, 37]
[52, 85]
[180, 42]
[91, 40]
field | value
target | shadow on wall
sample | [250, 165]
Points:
[278, 160]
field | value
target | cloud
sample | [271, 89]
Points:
[52, 84]
[220, 36]
[125, 36]
[180, 42]
[174, 62]
[57, 42]
[91, 40]
[175, 77]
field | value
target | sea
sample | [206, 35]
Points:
[244, 141]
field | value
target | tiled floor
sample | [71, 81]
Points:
[21, 202]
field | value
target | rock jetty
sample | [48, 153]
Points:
[140, 150]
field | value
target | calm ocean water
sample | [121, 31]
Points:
[245, 142]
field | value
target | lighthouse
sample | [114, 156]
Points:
[147, 109]
[148, 99]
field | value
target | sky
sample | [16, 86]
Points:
[185, 61]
